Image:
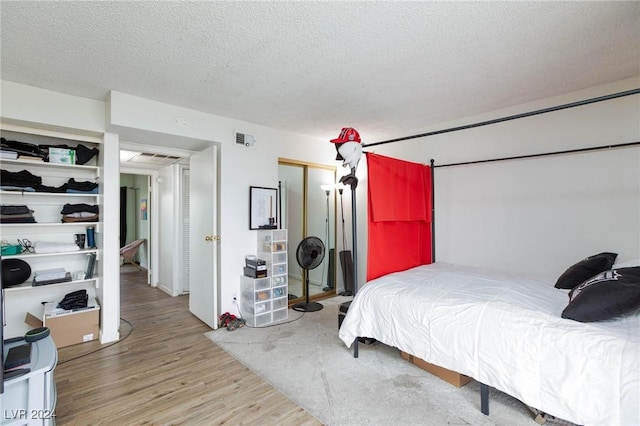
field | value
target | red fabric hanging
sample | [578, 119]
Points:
[399, 215]
[398, 190]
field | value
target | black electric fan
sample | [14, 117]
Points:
[309, 254]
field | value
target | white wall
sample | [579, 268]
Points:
[534, 216]
[110, 265]
[28, 104]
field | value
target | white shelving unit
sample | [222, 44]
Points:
[256, 303]
[265, 300]
[46, 207]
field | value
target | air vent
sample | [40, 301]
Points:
[244, 139]
[150, 158]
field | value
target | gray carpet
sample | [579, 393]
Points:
[305, 360]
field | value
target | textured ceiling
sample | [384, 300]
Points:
[389, 69]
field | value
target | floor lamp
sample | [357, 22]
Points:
[327, 191]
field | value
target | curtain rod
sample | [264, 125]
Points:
[544, 154]
[511, 117]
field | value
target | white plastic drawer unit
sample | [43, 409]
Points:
[279, 269]
[262, 320]
[279, 235]
[280, 303]
[280, 280]
[279, 292]
[280, 315]
[263, 295]
[262, 283]
[265, 300]
[263, 307]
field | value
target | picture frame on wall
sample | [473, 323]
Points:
[263, 207]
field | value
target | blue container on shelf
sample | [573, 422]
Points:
[91, 237]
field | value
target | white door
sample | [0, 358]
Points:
[203, 238]
[146, 223]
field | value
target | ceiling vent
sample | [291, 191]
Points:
[155, 159]
[245, 139]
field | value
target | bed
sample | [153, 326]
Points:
[507, 333]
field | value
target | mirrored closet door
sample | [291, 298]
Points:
[308, 208]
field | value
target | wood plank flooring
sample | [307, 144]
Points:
[163, 371]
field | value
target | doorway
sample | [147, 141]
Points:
[135, 219]
[171, 203]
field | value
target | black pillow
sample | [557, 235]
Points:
[586, 269]
[607, 295]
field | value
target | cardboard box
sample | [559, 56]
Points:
[62, 155]
[456, 379]
[68, 327]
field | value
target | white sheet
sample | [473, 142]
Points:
[506, 331]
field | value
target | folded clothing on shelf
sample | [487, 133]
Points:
[81, 207]
[23, 148]
[73, 186]
[52, 247]
[9, 155]
[82, 153]
[74, 218]
[26, 181]
[80, 213]
[20, 179]
[16, 214]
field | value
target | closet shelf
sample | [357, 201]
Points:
[43, 164]
[27, 286]
[46, 194]
[47, 224]
[24, 255]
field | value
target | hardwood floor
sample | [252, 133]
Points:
[163, 371]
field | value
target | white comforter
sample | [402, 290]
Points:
[506, 331]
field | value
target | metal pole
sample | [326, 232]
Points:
[511, 117]
[545, 154]
[433, 215]
[328, 249]
[354, 243]
[279, 210]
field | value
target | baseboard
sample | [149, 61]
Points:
[167, 290]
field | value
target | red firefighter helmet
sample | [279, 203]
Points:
[347, 134]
